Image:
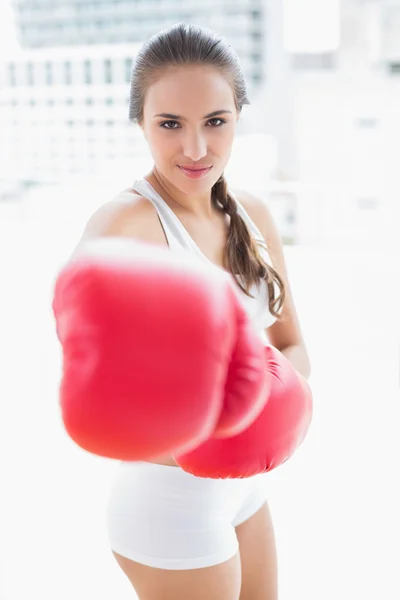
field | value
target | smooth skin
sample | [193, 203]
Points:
[193, 138]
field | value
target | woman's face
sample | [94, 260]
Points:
[189, 122]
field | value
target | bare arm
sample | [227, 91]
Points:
[285, 334]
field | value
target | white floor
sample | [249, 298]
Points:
[335, 505]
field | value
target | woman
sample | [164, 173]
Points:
[174, 535]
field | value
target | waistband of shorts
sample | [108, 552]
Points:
[175, 475]
[172, 472]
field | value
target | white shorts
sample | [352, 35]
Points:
[162, 517]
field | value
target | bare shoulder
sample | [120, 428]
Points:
[260, 213]
[126, 215]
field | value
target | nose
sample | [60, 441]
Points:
[194, 145]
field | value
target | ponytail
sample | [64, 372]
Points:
[243, 257]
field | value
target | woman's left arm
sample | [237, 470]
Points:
[285, 334]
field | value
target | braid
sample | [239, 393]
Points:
[242, 255]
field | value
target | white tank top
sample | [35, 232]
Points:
[179, 240]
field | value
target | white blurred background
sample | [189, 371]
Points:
[320, 143]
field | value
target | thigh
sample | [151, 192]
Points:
[219, 582]
[258, 557]
[172, 534]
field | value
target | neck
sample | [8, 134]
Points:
[199, 206]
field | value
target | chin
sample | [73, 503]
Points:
[202, 185]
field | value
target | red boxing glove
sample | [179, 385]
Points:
[270, 440]
[148, 337]
[247, 388]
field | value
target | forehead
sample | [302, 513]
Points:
[189, 91]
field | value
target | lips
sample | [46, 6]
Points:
[194, 172]
[198, 168]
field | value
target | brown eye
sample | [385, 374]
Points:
[216, 122]
[169, 125]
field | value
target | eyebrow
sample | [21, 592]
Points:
[215, 113]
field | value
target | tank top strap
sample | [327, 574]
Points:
[176, 234]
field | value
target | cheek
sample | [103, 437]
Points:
[161, 146]
[223, 141]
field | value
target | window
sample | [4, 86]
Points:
[88, 71]
[68, 73]
[256, 15]
[367, 122]
[11, 75]
[256, 57]
[128, 69]
[29, 72]
[107, 71]
[49, 73]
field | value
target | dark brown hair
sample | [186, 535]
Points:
[191, 45]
